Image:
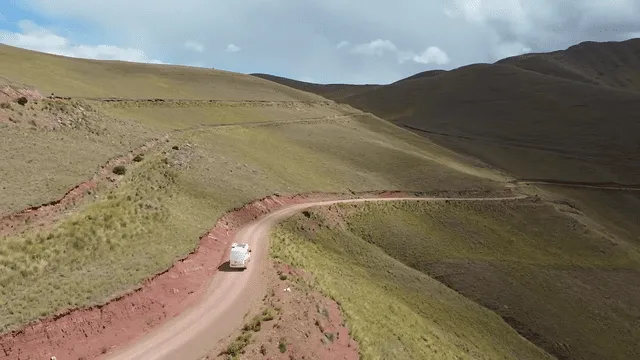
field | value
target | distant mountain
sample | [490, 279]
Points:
[570, 115]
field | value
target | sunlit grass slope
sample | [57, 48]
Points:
[162, 206]
[563, 286]
[93, 78]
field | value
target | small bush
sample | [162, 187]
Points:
[330, 336]
[325, 312]
[254, 325]
[5, 105]
[237, 347]
[120, 170]
[283, 277]
[267, 315]
[175, 147]
[282, 345]
[138, 158]
[263, 349]
[22, 100]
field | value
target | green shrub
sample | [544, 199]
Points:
[237, 347]
[283, 345]
[138, 158]
[120, 170]
[254, 325]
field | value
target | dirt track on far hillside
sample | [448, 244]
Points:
[586, 185]
[183, 312]
[41, 214]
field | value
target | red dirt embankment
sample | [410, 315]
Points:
[303, 323]
[10, 93]
[88, 333]
[41, 214]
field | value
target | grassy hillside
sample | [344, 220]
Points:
[564, 287]
[93, 78]
[219, 155]
[48, 147]
[258, 138]
[569, 115]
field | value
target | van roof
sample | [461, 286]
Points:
[241, 245]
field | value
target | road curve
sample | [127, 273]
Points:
[230, 295]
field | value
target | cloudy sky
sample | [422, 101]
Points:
[356, 41]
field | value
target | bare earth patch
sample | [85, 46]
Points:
[295, 322]
[11, 93]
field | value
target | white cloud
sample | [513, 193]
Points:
[34, 37]
[342, 44]
[432, 55]
[233, 48]
[194, 46]
[467, 30]
[376, 47]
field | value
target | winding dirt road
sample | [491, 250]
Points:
[230, 294]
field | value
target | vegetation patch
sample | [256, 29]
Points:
[44, 271]
[120, 170]
[236, 348]
[396, 258]
[41, 142]
[115, 239]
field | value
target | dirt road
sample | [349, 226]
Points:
[574, 184]
[230, 294]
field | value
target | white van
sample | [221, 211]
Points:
[240, 255]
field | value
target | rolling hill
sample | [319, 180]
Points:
[194, 144]
[84, 78]
[568, 115]
[117, 177]
[330, 91]
[565, 117]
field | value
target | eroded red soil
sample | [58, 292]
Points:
[44, 213]
[303, 324]
[12, 93]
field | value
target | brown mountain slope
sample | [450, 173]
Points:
[329, 91]
[571, 115]
[615, 64]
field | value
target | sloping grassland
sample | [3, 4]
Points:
[255, 140]
[393, 267]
